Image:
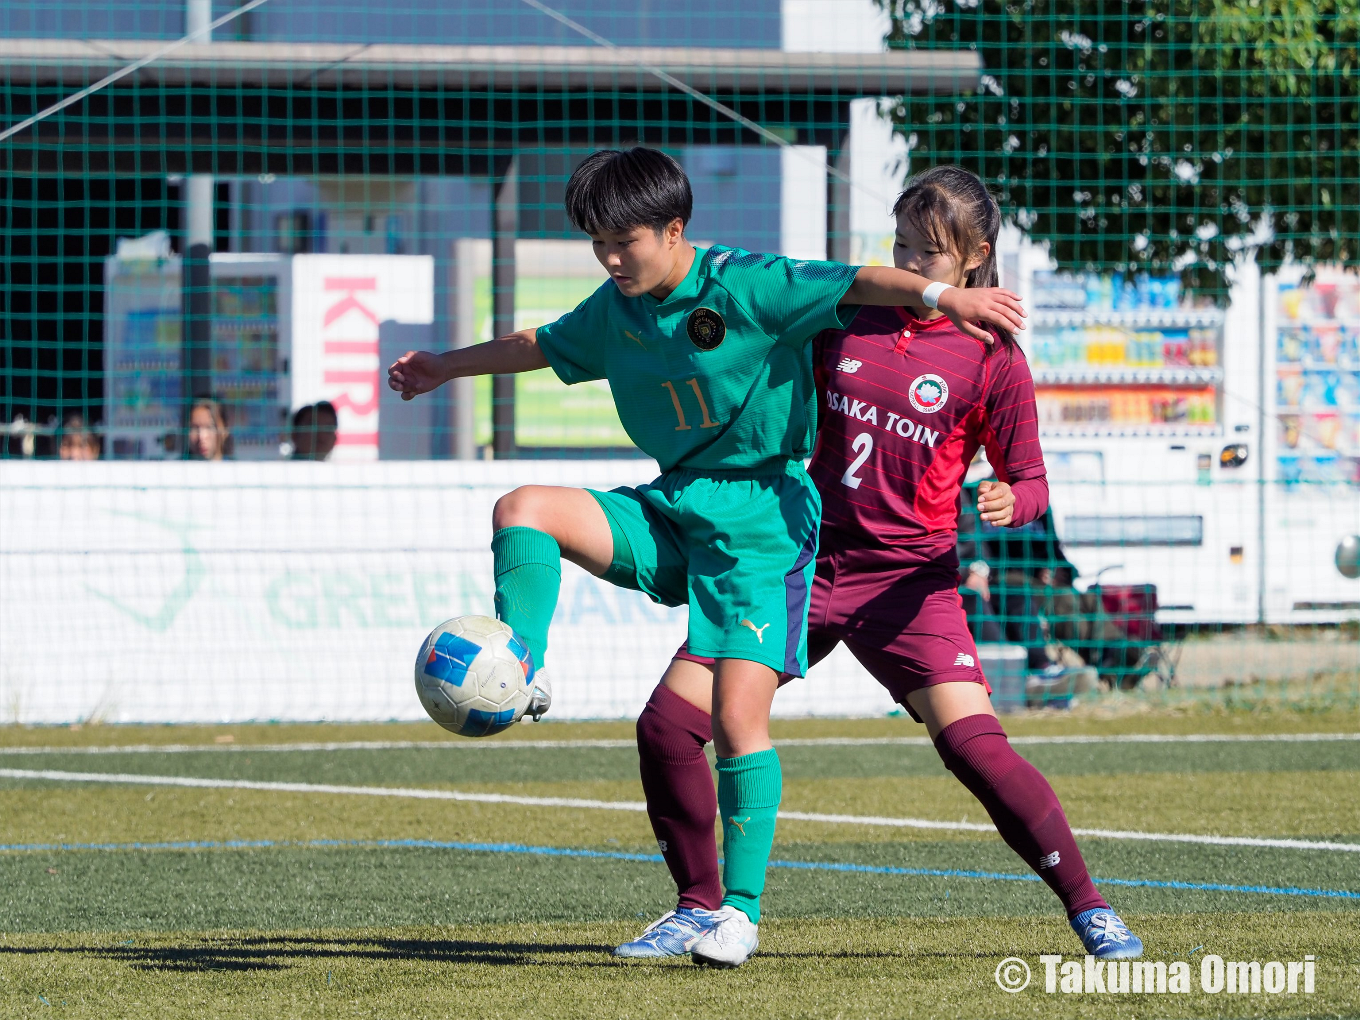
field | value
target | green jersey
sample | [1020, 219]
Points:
[718, 375]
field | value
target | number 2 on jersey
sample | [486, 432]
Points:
[682, 426]
[864, 443]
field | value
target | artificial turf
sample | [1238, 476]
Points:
[808, 967]
[419, 930]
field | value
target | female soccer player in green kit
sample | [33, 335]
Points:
[707, 355]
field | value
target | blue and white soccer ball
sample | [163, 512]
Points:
[474, 676]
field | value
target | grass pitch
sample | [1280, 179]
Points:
[299, 903]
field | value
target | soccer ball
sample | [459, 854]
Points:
[474, 676]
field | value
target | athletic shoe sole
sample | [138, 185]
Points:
[708, 961]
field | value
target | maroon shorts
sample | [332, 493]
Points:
[906, 627]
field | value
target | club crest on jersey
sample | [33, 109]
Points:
[928, 393]
[706, 328]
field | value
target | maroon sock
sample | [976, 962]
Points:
[681, 799]
[1022, 805]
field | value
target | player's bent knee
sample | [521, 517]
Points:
[521, 508]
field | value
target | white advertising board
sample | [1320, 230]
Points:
[340, 304]
[227, 592]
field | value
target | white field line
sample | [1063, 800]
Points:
[340, 745]
[417, 793]
[409, 793]
[449, 745]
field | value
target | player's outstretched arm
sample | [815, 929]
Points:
[883, 285]
[417, 372]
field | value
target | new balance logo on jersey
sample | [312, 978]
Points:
[1050, 860]
[964, 659]
[849, 365]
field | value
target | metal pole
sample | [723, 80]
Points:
[464, 307]
[198, 244]
[1262, 574]
[838, 241]
[504, 226]
[197, 18]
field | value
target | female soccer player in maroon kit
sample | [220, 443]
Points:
[907, 400]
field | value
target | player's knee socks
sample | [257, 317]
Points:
[1022, 805]
[749, 789]
[528, 567]
[681, 802]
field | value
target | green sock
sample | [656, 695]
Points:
[528, 576]
[749, 789]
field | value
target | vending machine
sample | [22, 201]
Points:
[1150, 427]
[144, 402]
[1211, 451]
[1311, 384]
[1316, 377]
[143, 371]
[251, 349]
[287, 330]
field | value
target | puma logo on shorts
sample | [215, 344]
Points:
[759, 631]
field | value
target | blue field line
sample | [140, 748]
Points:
[618, 855]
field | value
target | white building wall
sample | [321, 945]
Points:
[879, 163]
[877, 157]
[802, 201]
[833, 26]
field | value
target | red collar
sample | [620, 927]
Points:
[917, 325]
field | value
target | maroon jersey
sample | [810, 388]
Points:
[905, 405]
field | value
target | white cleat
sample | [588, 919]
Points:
[540, 698]
[731, 941]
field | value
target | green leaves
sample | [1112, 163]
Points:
[1136, 136]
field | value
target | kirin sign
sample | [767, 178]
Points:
[340, 303]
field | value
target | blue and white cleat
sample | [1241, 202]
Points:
[1105, 936]
[730, 942]
[672, 934]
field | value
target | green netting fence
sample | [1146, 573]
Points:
[199, 256]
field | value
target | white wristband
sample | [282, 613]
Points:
[930, 297]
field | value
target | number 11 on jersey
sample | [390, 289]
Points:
[682, 426]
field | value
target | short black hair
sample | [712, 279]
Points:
[311, 411]
[620, 189]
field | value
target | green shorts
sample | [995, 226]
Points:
[738, 548]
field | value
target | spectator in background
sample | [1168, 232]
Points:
[77, 441]
[1009, 613]
[314, 427]
[209, 436]
[1018, 588]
